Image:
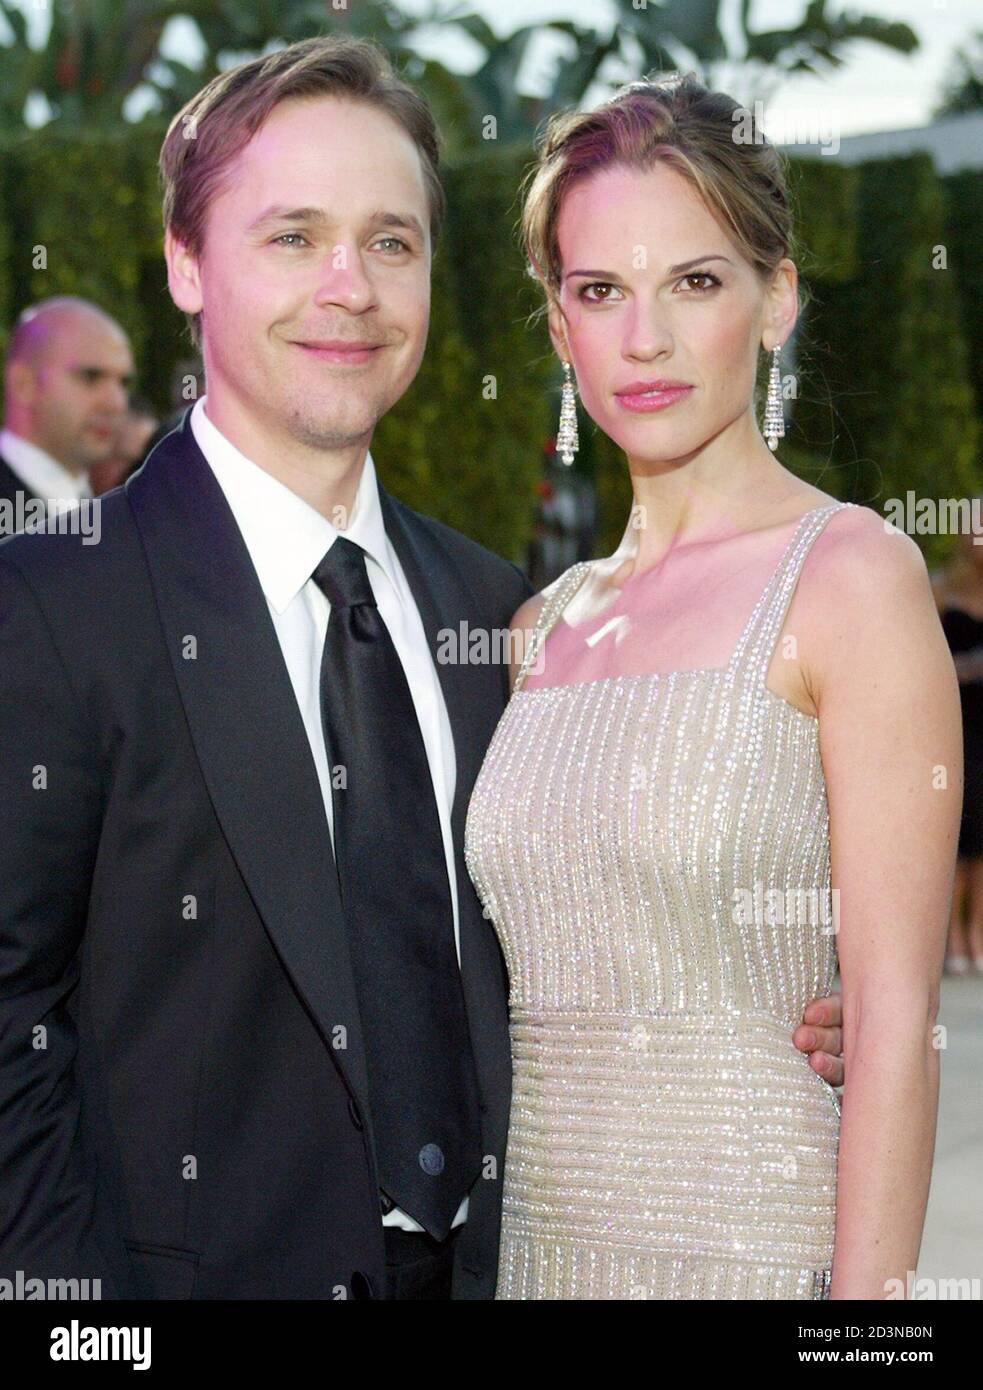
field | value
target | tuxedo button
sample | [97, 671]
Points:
[386, 1202]
[361, 1285]
[431, 1158]
[353, 1112]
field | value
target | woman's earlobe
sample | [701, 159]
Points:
[556, 337]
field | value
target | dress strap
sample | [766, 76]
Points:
[556, 598]
[756, 644]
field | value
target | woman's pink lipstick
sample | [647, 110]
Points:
[645, 396]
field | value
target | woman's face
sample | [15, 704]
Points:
[656, 295]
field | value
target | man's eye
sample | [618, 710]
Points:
[595, 285]
[281, 240]
[396, 241]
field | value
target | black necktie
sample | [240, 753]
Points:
[393, 879]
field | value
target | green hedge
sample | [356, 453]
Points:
[466, 442]
[887, 384]
[78, 198]
[894, 409]
[964, 217]
[824, 201]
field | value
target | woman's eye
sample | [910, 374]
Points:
[597, 285]
[705, 275]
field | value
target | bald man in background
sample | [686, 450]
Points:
[67, 370]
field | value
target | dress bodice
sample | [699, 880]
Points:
[663, 843]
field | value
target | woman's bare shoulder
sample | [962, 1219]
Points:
[864, 579]
[522, 626]
[859, 547]
[527, 614]
[526, 617]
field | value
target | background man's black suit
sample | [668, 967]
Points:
[11, 485]
[193, 1120]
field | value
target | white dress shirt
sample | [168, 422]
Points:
[287, 539]
[42, 474]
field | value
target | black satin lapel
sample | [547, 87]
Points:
[475, 696]
[248, 733]
[472, 691]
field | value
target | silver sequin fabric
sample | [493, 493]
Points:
[653, 853]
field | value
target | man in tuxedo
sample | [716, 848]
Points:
[255, 1032]
[67, 369]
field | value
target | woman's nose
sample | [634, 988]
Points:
[647, 330]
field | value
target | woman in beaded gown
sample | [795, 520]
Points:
[650, 832]
[654, 1074]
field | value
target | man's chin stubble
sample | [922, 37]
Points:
[324, 435]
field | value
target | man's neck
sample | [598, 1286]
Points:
[327, 480]
[24, 431]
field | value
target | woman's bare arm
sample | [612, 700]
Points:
[891, 745]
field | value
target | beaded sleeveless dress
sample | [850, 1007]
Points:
[652, 850]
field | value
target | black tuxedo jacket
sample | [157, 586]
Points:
[182, 1077]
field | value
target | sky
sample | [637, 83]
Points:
[875, 90]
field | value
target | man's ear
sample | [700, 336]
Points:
[183, 274]
[22, 382]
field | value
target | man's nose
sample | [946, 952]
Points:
[343, 280]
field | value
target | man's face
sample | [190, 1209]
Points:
[318, 245]
[75, 392]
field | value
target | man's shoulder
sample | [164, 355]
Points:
[470, 555]
[89, 540]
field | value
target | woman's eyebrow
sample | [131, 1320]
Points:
[673, 269]
[686, 265]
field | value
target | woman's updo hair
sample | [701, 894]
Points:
[711, 140]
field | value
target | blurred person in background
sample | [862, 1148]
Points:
[565, 523]
[958, 590]
[137, 427]
[65, 393]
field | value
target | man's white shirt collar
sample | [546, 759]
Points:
[37, 470]
[286, 537]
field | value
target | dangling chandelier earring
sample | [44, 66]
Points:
[774, 425]
[567, 442]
